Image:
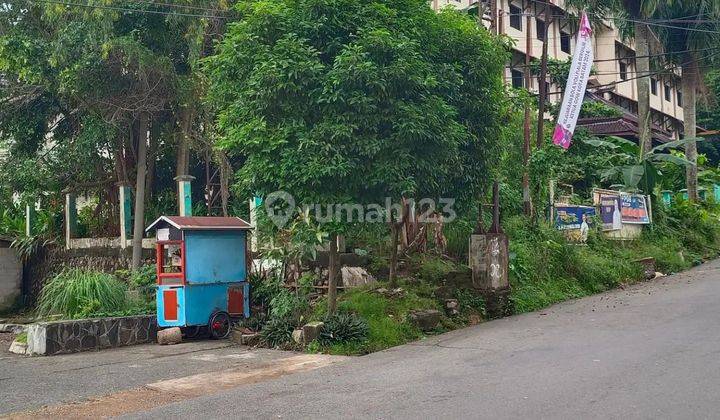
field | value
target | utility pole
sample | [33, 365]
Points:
[543, 76]
[527, 202]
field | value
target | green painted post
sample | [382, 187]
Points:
[126, 214]
[684, 193]
[70, 218]
[666, 197]
[716, 192]
[30, 219]
[255, 202]
[184, 194]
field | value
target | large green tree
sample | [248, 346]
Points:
[83, 86]
[350, 101]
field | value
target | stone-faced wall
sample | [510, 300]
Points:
[10, 276]
[59, 337]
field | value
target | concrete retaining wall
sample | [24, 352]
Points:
[72, 336]
[11, 270]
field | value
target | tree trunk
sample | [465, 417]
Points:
[527, 200]
[332, 274]
[542, 98]
[395, 233]
[139, 222]
[689, 89]
[151, 157]
[642, 61]
[183, 155]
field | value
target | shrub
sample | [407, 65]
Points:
[470, 302]
[286, 304]
[76, 292]
[431, 268]
[343, 328]
[255, 322]
[277, 332]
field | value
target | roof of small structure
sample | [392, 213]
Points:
[625, 125]
[202, 223]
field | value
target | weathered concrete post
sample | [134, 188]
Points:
[70, 218]
[30, 218]
[184, 194]
[126, 210]
[488, 259]
[255, 202]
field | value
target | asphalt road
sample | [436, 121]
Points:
[649, 351]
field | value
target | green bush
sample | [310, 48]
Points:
[343, 328]
[74, 292]
[277, 332]
[255, 322]
[470, 302]
[286, 304]
[432, 268]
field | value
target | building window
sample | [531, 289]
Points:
[653, 86]
[565, 42]
[540, 29]
[679, 98]
[517, 78]
[515, 17]
[623, 71]
[668, 96]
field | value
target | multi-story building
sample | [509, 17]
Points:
[614, 76]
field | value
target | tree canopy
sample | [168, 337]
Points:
[349, 100]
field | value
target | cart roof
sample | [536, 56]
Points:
[202, 223]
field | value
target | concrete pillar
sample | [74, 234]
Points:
[30, 218]
[126, 214]
[488, 258]
[255, 202]
[70, 218]
[716, 192]
[184, 194]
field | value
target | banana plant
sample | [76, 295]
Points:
[638, 170]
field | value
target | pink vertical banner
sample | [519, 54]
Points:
[575, 89]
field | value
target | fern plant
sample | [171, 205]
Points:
[277, 332]
[343, 328]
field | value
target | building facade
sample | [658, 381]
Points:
[614, 78]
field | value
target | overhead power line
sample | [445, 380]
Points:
[181, 6]
[127, 9]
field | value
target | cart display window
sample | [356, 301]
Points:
[171, 262]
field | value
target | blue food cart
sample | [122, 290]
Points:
[201, 273]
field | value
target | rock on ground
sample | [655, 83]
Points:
[311, 331]
[356, 276]
[169, 336]
[425, 320]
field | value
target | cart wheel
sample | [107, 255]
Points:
[219, 325]
[192, 332]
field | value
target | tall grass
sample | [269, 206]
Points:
[75, 292]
